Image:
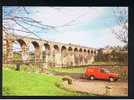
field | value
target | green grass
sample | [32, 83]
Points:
[103, 63]
[17, 83]
[23, 67]
[77, 69]
[69, 70]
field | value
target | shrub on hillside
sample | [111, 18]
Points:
[68, 79]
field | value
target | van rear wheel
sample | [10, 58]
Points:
[92, 77]
[111, 79]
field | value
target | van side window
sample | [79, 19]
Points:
[102, 70]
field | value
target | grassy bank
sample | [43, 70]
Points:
[68, 70]
[17, 83]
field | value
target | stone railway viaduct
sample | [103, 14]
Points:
[51, 53]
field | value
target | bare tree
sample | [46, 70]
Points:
[121, 15]
[19, 20]
[14, 22]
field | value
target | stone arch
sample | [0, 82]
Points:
[22, 54]
[22, 42]
[85, 57]
[88, 56]
[88, 51]
[63, 48]
[80, 50]
[47, 48]
[70, 50]
[94, 52]
[70, 56]
[36, 44]
[76, 56]
[56, 47]
[91, 52]
[36, 54]
[80, 56]
[75, 49]
[64, 55]
[56, 56]
[85, 50]
[46, 54]
[92, 56]
[24, 49]
[16, 49]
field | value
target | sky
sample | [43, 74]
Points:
[86, 26]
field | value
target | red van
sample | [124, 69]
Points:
[101, 73]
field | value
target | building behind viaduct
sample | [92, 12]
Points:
[48, 52]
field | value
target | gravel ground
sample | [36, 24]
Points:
[118, 88]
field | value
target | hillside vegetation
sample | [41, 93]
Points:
[17, 83]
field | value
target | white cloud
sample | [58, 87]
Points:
[97, 39]
[52, 16]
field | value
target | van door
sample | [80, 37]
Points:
[102, 74]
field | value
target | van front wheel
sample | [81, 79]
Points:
[92, 77]
[111, 79]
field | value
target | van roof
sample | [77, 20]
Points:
[95, 67]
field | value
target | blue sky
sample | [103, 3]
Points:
[88, 26]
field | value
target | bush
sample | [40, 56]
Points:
[69, 79]
[123, 72]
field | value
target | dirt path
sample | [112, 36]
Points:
[118, 88]
[99, 87]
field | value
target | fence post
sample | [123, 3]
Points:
[18, 67]
[107, 88]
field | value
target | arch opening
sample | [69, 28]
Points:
[94, 52]
[70, 56]
[63, 56]
[88, 51]
[76, 56]
[75, 50]
[34, 52]
[35, 44]
[21, 42]
[91, 51]
[47, 49]
[80, 50]
[19, 49]
[56, 56]
[63, 48]
[46, 55]
[56, 47]
[80, 56]
[16, 49]
[47, 46]
[70, 49]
